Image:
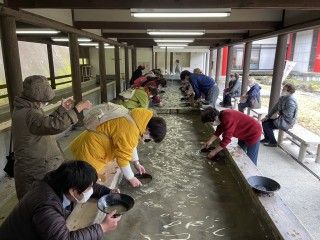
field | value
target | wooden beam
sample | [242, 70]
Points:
[75, 71]
[103, 73]
[156, 60]
[278, 68]
[166, 61]
[153, 66]
[125, 36]
[117, 69]
[179, 25]
[171, 62]
[308, 25]
[246, 67]
[218, 66]
[134, 59]
[11, 58]
[51, 66]
[127, 4]
[126, 66]
[39, 21]
[229, 65]
[211, 63]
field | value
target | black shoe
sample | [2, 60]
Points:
[264, 140]
[271, 144]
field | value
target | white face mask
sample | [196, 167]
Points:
[42, 105]
[145, 138]
[284, 93]
[86, 195]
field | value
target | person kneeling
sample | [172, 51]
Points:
[232, 123]
[42, 212]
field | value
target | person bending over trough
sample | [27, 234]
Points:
[202, 85]
[117, 139]
[42, 212]
[232, 123]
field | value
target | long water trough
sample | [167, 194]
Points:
[191, 197]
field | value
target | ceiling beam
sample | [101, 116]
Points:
[262, 25]
[147, 36]
[126, 4]
[290, 29]
[39, 21]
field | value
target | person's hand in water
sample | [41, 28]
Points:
[139, 167]
[135, 182]
[110, 222]
[214, 152]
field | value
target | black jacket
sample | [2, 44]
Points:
[40, 215]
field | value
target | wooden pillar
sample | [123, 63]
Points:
[134, 59]
[103, 73]
[229, 65]
[51, 66]
[218, 65]
[166, 61]
[278, 68]
[171, 62]
[75, 67]
[246, 67]
[126, 66]
[117, 69]
[11, 58]
[156, 60]
[211, 63]
[153, 66]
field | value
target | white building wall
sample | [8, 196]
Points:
[302, 51]
[267, 56]
[197, 60]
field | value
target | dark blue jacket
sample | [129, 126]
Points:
[254, 93]
[201, 84]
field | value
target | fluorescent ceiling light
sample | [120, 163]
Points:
[64, 39]
[37, 31]
[180, 32]
[180, 13]
[89, 44]
[174, 40]
[172, 45]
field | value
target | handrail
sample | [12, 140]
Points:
[4, 86]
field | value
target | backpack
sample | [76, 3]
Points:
[104, 112]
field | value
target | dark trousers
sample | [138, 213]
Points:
[268, 127]
[243, 106]
[252, 151]
[227, 100]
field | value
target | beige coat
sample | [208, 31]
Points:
[35, 148]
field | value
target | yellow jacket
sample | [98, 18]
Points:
[114, 140]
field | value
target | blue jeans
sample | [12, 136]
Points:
[268, 127]
[212, 95]
[252, 151]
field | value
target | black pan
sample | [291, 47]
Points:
[144, 177]
[115, 201]
[263, 184]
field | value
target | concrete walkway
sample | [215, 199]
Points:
[299, 188]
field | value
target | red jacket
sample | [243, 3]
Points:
[239, 125]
